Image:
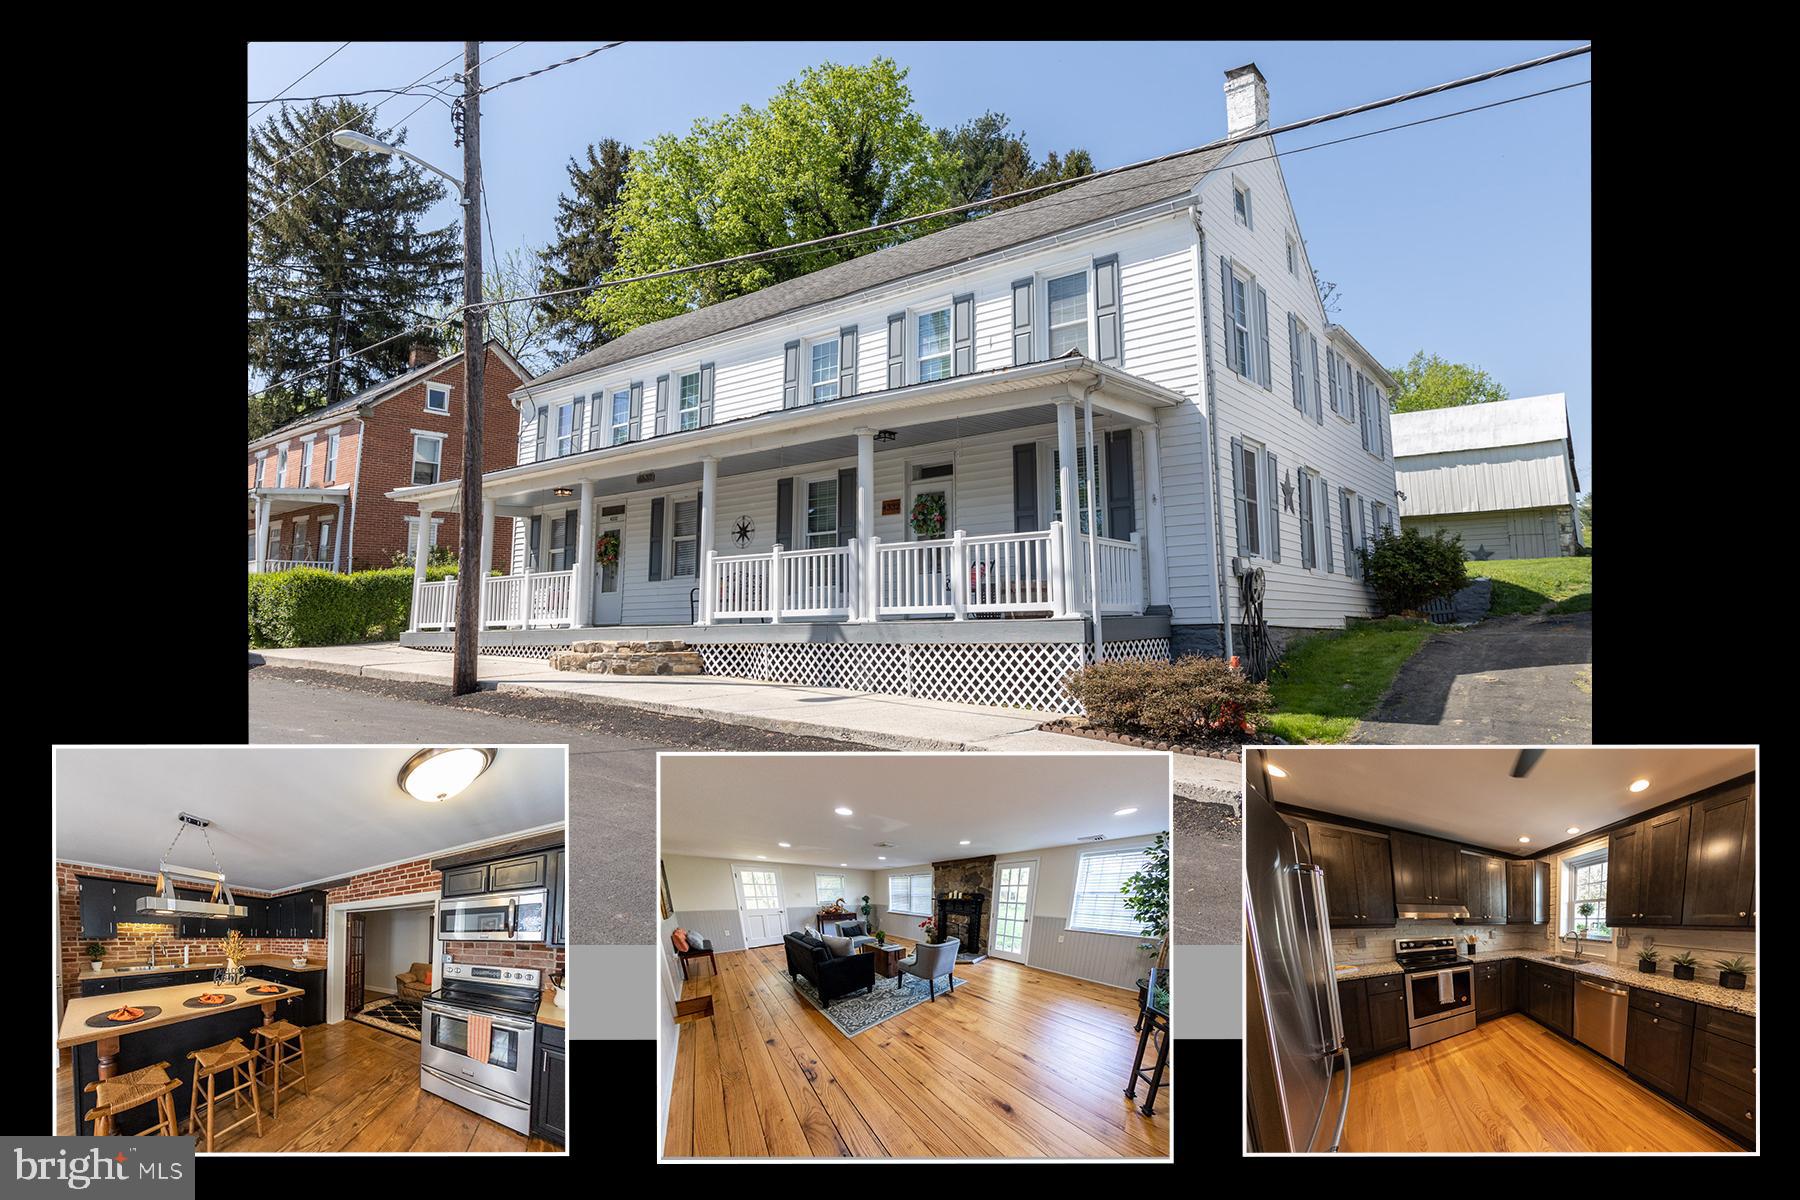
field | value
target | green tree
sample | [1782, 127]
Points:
[523, 328]
[992, 162]
[338, 258]
[838, 149]
[584, 249]
[1147, 898]
[1585, 510]
[1428, 381]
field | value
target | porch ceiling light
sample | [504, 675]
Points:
[563, 491]
[438, 773]
[1638, 785]
[842, 811]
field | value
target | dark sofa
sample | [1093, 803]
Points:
[833, 977]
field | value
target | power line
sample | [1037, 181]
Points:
[409, 330]
[315, 66]
[565, 62]
[401, 91]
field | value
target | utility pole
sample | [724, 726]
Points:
[472, 572]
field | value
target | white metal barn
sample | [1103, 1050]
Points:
[876, 475]
[1502, 475]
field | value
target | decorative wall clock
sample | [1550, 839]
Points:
[743, 531]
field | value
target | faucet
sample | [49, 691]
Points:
[1576, 938]
[153, 953]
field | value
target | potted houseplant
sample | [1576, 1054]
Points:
[1147, 899]
[929, 925]
[1732, 971]
[867, 909]
[1585, 909]
[96, 956]
[1647, 960]
[1683, 965]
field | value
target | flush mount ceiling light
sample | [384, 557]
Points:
[1638, 785]
[843, 864]
[1123, 812]
[882, 857]
[1572, 829]
[785, 845]
[1276, 771]
[1524, 839]
[964, 842]
[841, 811]
[762, 856]
[440, 772]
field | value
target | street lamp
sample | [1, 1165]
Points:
[349, 139]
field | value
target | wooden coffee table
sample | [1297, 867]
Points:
[887, 958]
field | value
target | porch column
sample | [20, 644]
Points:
[487, 553]
[1068, 455]
[421, 555]
[709, 500]
[581, 591]
[337, 536]
[1155, 560]
[864, 609]
[262, 533]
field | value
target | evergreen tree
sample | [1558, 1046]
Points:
[992, 162]
[584, 249]
[337, 265]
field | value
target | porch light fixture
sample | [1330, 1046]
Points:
[1276, 771]
[842, 811]
[562, 491]
[1638, 785]
[1123, 812]
[438, 773]
[885, 435]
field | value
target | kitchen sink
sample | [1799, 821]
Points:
[1564, 958]
[143, 968]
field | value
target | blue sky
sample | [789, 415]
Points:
[1469, 237]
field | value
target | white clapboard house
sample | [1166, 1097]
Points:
[875, 475]
[1501, 475]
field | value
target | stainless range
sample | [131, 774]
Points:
[500, 1087]
[1440, 989]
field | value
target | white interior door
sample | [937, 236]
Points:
[609, 592]
[1015, 884]
[760, 912]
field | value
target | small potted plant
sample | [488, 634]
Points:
[1732, 972]
[96, 956]
[867, 910]
[1683, 965]
[1586, 910]
[929, 925]
[1647, 960]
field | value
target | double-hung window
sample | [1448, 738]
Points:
[428, 457]
[910, 895]
[934, 345]
[1099, 904]
[821, 512]
[306, 463]
[1081, 486]
[827, 888]
[688, 407]
[684, 538]
[1300, 363]
[822, 379]
[1249, 491]
[1350, 500]
[1240, 204]
[331, 458]
[437, 398]
[1239, 333]
[566, 432]
[281, 468]
[1584, 882]
[1068, 312]
[1338, 368]
[618, 427]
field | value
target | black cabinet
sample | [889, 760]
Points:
[1353, 1008]
[1483, 887]
[1552, 1000]
[1494, 987]
[1721, 867]
[1375, 879]
[105, 903]
[466, 881]
[1657, 1049]
[1527, 892]
[1509, 984]
[1358, 875]
[1387, 1012]
[548, 1084]
[309, 914]
[103, 987]
[1722, 1074]
[514, 874]
[1426, 870]
[1663, 857]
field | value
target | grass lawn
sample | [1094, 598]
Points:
[1523, 585]
[1329, 680]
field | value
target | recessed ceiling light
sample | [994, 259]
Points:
[882, 857]
[1276, 771]
[843, 864]
[1638, 785]
[436, 774]
[842, 811]
[1524, 839]
[1572, 829]
[1123, 812]
[964, 842]
[785, 845]
[763, 856]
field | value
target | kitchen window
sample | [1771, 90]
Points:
[910, 895]
[1068, 313]
[684, 538]
[824, 374]
[821, 513]
[827, 888]
[437, 398]
[1099, 905]
[689, 402]
[934, 345]
[331, 458]
[1584, 882]
[428, 455]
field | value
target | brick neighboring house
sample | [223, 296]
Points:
[318, 484]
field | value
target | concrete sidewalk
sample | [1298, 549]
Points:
[864, 718]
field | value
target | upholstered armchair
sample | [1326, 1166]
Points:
[857, 932]
[416, 983]
[929, 961]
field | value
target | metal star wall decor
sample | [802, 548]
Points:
[1287, 490]
[743, 531]
[1481, 553]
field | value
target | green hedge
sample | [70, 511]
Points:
[310, 607]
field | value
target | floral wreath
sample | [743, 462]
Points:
[607, 549]
[928, 515]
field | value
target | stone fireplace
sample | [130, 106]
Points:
[965, 917]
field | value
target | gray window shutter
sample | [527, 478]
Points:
[1021, 321]
[1121, 508]
[1263, 375]
[543, 434]
[1362, 408]
[1381, 433]
[636, 430]
[1317, 385]
[1273, 489]
[577, 443]
[1331, 377]
[1231, 354]
[1362, 521]
[1237, 491]
[1025, 488]
[662, 405]
[1350, 567]
[790, 375]
[846, 505]
[531, 544]
[1323, 517]
[962, 334]
[1106, 308]
[846, 361]
[896, 350]
[706, 394]
[1304, 507]
[656, 538]
[1296, 377]
[784, 513]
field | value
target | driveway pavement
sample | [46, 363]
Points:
[1519, 680]
[1207, 895]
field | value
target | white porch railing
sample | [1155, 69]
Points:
[813, 583]
[1121, 574]
[287, 564]
[1012, 572]
[741, 584]
[534, 600]
[913, 578]
[434, 605]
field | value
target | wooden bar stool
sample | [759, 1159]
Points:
[274, 1052]
[123, 1092]
[209, 1064]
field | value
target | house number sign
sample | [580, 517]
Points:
[890, 508]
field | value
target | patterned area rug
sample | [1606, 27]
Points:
[395, 1016]
[854, 1013]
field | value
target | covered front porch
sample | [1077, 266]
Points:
[313, 535]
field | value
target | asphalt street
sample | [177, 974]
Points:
[1207, 891]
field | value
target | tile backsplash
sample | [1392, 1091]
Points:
[1378, 943]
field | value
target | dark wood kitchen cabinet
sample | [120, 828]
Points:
[1657, 1047]
[1510, 970]
[1527, 892]
[1722, 1075]
[1358, 875]
[1484, 887]
[1426, 870]
[1647, 871]
[1552, 998]
[1386, 1002]
[514, 874]
[1721, 866]
[1353, 1010]
[548, 1084]
[1624, 876]
[1375, 879]
[1491, 997]
[555, 863]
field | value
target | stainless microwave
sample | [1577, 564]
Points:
[495, 917]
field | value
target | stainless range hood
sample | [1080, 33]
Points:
[167, 904]
[1436, 912]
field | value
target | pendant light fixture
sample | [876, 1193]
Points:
[435, 774]
[167, 904]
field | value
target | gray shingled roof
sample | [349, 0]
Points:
[1079, 205]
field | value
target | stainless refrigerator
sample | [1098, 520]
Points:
[1296, 1059]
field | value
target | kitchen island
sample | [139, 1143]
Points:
[100, 1053]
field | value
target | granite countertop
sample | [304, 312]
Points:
[75, 1030]
[284, 961]
[1730, 999]
[549, 1014]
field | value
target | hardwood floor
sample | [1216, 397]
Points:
[1018, 1063]
[365, 1097]
[1512, 1084]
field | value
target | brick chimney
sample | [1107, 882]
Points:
[420, 354]
[1246, 100]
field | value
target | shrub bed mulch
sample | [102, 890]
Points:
[1229, 751]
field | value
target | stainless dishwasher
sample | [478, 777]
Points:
[1600, 1013]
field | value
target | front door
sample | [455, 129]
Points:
[759, 905]
[609, 595]
[1014, 884]
[928, 510]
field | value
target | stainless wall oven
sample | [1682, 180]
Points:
[497, 917]
[498, 1087]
